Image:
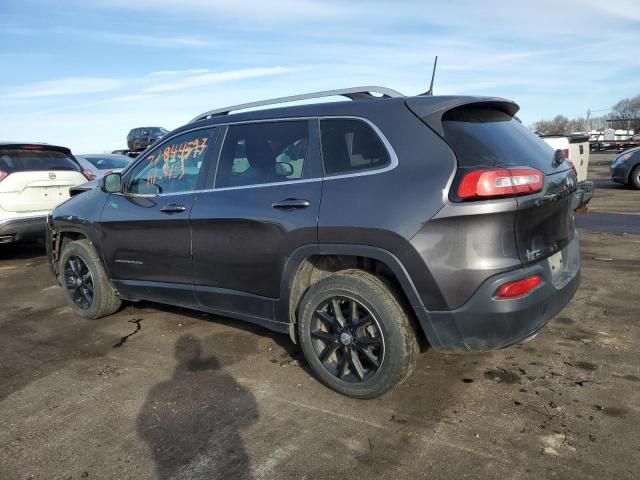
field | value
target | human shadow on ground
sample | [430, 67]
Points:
[192, 422]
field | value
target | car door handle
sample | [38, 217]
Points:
[173, 208]
[291, 203]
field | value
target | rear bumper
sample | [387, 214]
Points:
[487, 323]
[29, 228]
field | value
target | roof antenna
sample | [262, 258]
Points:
[429, 93]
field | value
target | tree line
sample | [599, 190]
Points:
[625, 113]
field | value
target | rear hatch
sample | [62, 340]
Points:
[486, 135]
[36, 177]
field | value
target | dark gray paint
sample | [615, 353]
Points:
[231, 252]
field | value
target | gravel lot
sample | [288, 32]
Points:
[161, 392]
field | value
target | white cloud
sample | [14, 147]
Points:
[189, 71]
[216, 77]
[261, 10]
[624, 9]
[156, 41]
[63, 86]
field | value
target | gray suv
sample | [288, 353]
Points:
[366, 230]
[140, 138]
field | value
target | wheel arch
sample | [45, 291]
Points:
[58, 239]
[310, 263]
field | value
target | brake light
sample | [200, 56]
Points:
[3, 175]
[565, 152]
[33, 147]
[518, 288]
[88, 174]
[500, 182]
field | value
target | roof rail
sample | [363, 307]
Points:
[354, 93]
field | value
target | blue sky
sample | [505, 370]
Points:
[82, 73]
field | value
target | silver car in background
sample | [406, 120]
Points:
[102, 163]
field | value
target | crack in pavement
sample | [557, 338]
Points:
[124, 339]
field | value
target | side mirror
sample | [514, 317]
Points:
[284, 169]
[558, 158]
[111, 183]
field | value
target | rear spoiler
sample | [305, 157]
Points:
[431, 109]
[35, 146]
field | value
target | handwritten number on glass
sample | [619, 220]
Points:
[173, 158]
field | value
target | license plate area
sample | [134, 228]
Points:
[560, 274]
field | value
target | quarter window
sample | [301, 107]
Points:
[259, 153]
[350, 145]
[174, 167]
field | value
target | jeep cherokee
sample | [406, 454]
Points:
[367, 230]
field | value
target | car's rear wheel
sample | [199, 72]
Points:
[355, 334]
[634, 177]
[86, 284]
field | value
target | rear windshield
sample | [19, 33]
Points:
[17, 160]
[107, 163]
[489, 137]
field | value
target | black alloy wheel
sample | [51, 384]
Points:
[347, 339]
[79, 282]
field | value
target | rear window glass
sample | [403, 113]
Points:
[23, 160]
[350, 146]
[488, 137]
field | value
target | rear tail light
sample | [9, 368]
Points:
[565, 152]
[3, 175]
[499, 182]
[518, 288]
[88, 174]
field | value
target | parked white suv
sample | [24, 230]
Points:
[34, 178]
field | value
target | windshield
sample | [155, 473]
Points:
[108, 163]
[25, 160]
[158, 131]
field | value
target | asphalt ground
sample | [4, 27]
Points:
[162, 392]
[614, 208]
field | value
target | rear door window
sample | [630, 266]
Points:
[173, 167]
[493, 138]
[27, 160]
[350, 145]
[265, 152]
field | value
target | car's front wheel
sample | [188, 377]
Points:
[85, 281]
[355, 334]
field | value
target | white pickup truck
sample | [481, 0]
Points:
[575, 148]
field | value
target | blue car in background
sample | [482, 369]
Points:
[626, 168]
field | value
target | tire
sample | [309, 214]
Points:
[80, 256]
[634, 177]
[335, 349]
